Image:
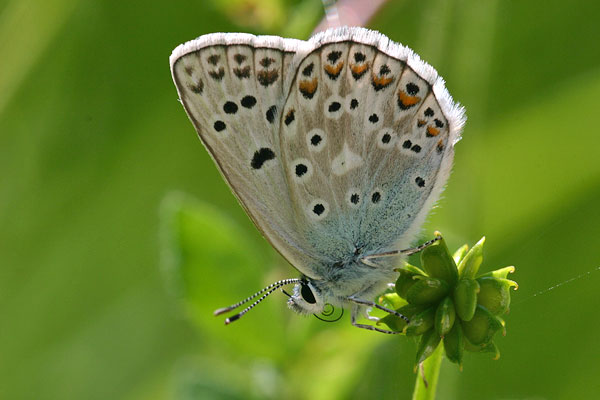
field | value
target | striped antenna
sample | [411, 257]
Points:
[267, 291]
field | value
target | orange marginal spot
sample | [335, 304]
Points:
[440, 146]
[308, 88]
[331, 70]
[382, 81]
[407, 101]
[420, 123]
[267, 77]
[431, 131]
[359, 70]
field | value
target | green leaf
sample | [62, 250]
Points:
[465, 298]
[470, 264]
[202, 246]
[438, 263]
[444, 316]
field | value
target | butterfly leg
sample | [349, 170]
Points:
[355, 312]
[375, 305]
[410, 252]
[406, 252]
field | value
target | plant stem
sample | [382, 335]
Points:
[429, 370]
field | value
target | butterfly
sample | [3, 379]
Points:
[336, 148]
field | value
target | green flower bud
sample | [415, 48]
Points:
[470, 264]
[444, 317]
[465, 298]
[421, 322]
[406, 279]
[427, 345]
[450, 303]
[392, 300]
[436, 261]
[426, 290]
[500, 273]
[453, 344]
[398, 324]
[482, 327]
[460, 254]
[495, 294]
[489, 347]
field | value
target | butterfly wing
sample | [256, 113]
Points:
[232, 88]
[367, 142]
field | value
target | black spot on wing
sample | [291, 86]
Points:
[198, 87]
[230, 107]
[242, 73]
[219, 126]
[239, 58]
[315, 140]
[307, 71]
[213, 59]
[218, 74]
[334, 106]
[319, 209]
[376, 197]
[270, 114]
[289, 118]
[261, 156]
[334, 56]
[266, 62]
[359, 57]
[384, 70]
[412, 89]
[248, 101]
[267, 77]
[301, 169]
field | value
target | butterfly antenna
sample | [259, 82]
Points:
[406, 252]
[267, 291]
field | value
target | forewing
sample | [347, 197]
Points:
[232, 88]
[367, 142]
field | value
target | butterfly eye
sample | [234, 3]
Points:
[307, 294]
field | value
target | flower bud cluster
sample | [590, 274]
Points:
[447, 301]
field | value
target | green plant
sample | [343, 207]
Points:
[448, 303]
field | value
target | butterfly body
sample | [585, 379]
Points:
[336, 147]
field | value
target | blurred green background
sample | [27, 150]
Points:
[93, 140]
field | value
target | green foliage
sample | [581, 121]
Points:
[453, 304]
[93, 137]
